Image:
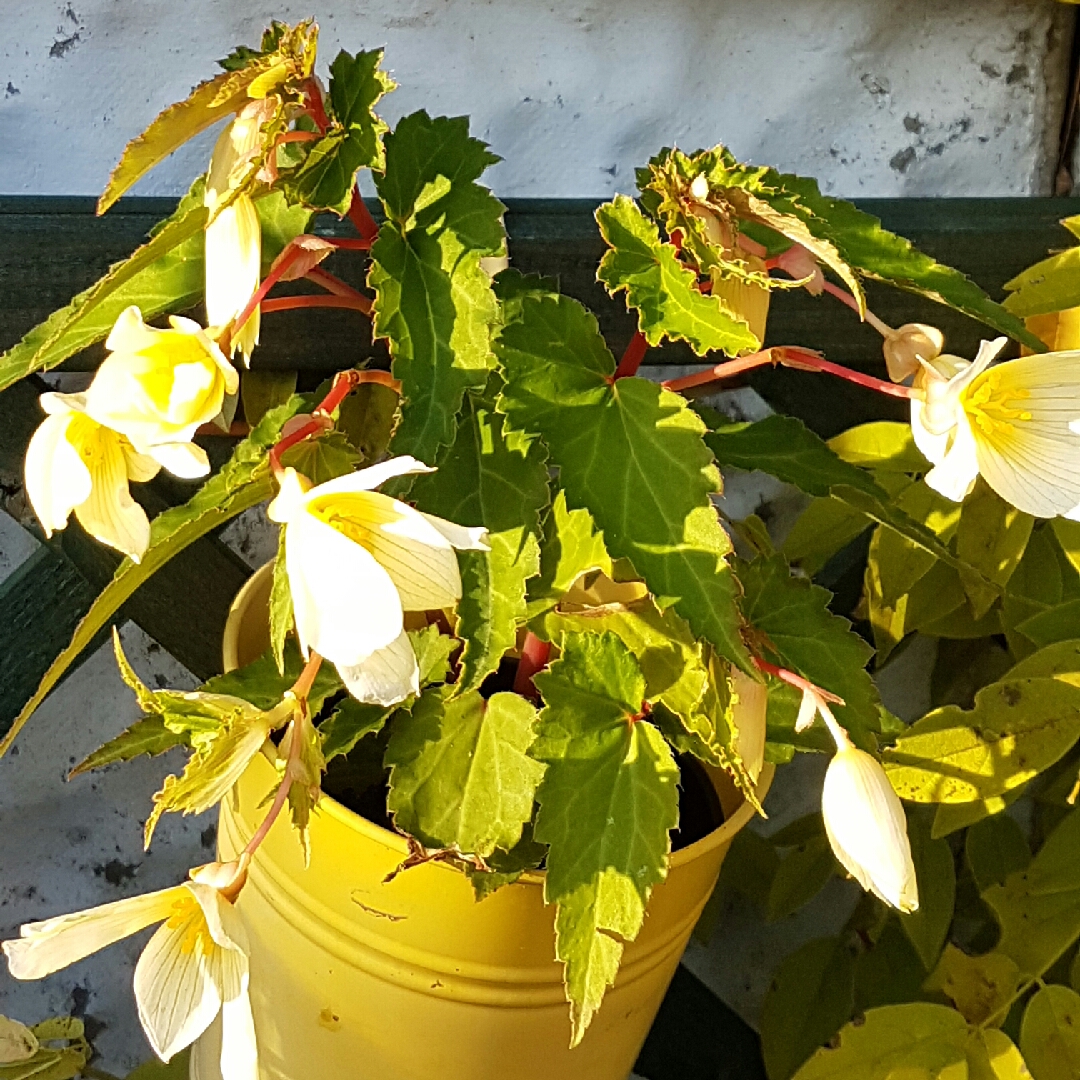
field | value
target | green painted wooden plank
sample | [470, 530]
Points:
[990, 239]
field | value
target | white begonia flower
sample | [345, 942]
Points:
[195, 965]
[73, 463]
[864, 818]
[1016, 423]
[157, 387]
[357, 560]
[233, 235]
[907, 345]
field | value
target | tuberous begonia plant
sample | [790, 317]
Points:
[516, 494]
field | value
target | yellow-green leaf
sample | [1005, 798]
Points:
[1050, 1034]
[979, 986]
[928, 926]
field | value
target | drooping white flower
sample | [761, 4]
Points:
[233, 235]
[156, 387]
[1017, 424]
[866, 826]
[909, 344]
[357, 560]
[73, 463]
[195, 965]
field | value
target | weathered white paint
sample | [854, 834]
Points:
[928, 97]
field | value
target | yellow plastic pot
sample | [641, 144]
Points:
[354, 978]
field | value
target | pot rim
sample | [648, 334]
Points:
[238, 611]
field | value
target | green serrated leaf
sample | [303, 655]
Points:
[916, 1040]
[433, 301]
[572, 546]
[662, 290]
[607, 803]
[490, 478]
[349, 723]
[810, 998]
[325, 458]
[1050, 1034]
[281, 606]
[460, 773]
[1018, 727]
[807, 638]
[928, 926]
[355, 141]
[789, 450]
[243, 481]
[632, 454]
[262, 391]
[210, 102]
[507, 866]
[165, 274]
[862, 243]
[433, 650]
[825, 527]
[263, 685]
[148, 736]
[367, 417]
[1038, 907]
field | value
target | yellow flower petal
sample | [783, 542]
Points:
[387, 676]
[48, 946]
[185, 460]
[140, 467]
[57, 479]
[178, 980]
[749, 715]
[344, 602]
[158, 386]
[109, 514]
[419, 559]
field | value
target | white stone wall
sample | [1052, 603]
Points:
[927, 97]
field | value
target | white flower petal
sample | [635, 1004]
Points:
[749, 715]
[183, 459]
[129, 333]
[808, 710]
[57, 479]
[140, 467]
[1022, 415]
[460, 536]
[419, 559]
[931, 446]
[344, 602]
[387, 676]
[865, 823]
[178, 981]
[48, 946]
[233, 264]
[239, 1049]
[955, 474]
[373, 476]
[110, 514]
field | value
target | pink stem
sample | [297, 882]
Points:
[721, 371]
[795, 680]
[334, 284]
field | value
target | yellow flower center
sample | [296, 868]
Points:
[994, 409]
[357, 515]
[187, 919]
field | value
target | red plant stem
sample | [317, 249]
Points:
[296, 136]
[300, 690]
[846, 298]
[789, 356]
[631, 359]
[361, 217]
[322, 418]
[534, 657]
[795, 680]
[314, 102]
[349, 243]
[288, 303]
[284, 261]
[333, 284]
[721, 371]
